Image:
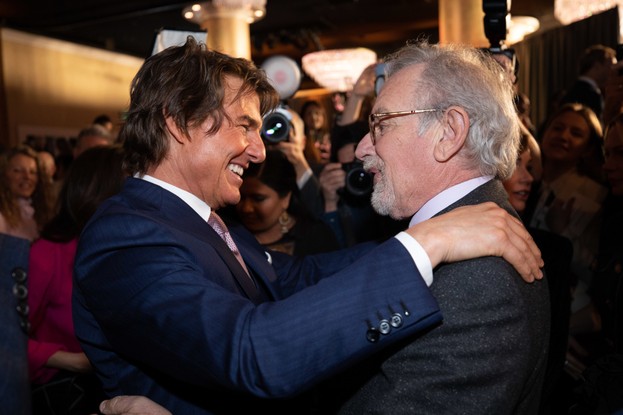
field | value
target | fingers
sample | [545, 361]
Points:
[109, 407]
[476, 231]
[521, 250]
[131, 405]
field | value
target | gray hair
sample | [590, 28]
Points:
[95, 130]
[466, 77]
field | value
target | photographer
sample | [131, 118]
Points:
[283, 129]
[346, 189]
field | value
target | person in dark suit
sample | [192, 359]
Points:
[170, 305]
[446, 115]
[15, 385]
[595, 65]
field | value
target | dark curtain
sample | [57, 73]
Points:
[549, 61]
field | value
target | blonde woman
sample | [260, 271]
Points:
[25, 194]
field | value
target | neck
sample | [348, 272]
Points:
[552, 171]
[272, 234]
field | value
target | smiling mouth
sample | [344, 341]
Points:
[236, 168]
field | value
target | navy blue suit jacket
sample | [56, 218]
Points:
[159, 310]
[14, 383]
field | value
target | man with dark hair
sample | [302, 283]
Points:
[170, 304]
[595, 64]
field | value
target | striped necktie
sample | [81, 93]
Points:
[221, 229]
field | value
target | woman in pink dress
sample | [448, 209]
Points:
[59, 371]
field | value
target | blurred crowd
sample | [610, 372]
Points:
[311, 195]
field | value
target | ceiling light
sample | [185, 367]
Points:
[521, 26]
[252, 10]
[337, 69]
[570, 11]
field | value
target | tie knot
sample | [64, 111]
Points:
[217, 224]
[220, 228]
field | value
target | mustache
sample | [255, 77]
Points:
[372, 163]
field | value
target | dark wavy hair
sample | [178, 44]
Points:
[95, 175]
[275, 172]
[185, 83]
[278, 173]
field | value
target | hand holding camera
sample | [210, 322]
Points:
[331, 179]
[348, 180]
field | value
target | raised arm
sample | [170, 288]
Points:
[481, 230]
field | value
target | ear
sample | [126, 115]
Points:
[174, 131]
[455, 125]
[286, 200]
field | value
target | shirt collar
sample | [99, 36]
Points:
[190, 199]
[446, 198]
[591, 82]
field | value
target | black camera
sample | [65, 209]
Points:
[276, 125]
[495, 21]
[358, 182]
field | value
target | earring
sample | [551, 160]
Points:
[284, 221]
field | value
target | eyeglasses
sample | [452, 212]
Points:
[375, 120]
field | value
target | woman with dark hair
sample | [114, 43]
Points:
[25, 193]
[59, 370]
[269, 208]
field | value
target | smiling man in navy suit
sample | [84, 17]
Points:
[163, 306]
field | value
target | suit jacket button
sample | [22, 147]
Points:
[396, 320]
[19, 275]
[20, 291]
[384, 327]
[373, 335]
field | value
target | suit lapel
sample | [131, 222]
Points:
[175, 213]
[257, 259]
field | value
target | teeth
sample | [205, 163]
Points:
[236, 169]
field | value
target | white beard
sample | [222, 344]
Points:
[383, 197]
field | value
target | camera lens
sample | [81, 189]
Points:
[275, 127]
[358, 181]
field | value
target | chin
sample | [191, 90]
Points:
[519, 207]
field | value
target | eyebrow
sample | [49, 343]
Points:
[379, 110]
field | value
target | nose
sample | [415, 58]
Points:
[256, 149]
[526, 177]
[566, 134]
[245, 205]
[364, 147]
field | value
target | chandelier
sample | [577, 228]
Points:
[252, 10]
[337, 69]
[569, 11]
[519, 27]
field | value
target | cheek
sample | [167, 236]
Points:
[508, 184]
[265, 210]
[580, 145]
